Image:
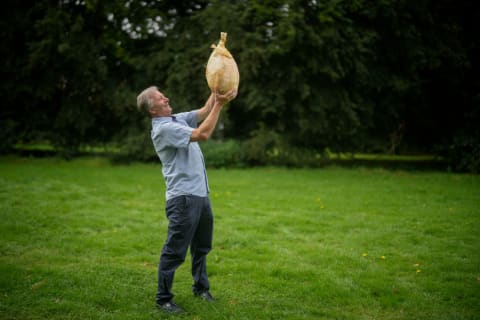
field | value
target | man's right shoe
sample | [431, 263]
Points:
[205, 295]
[169, 307]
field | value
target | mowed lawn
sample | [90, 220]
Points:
[81, 240]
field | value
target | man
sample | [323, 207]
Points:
[175, 138]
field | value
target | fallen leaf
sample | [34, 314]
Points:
[37, 285]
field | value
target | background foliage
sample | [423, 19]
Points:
[391, 76]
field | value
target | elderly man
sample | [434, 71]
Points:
[188, 210]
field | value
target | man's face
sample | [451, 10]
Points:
[161, 106]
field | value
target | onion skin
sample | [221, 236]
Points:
[222, 70]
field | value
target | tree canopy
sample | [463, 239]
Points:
[373, 76]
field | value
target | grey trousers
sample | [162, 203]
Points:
[190, 224]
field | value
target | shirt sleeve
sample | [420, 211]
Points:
[189, 117]
[171, 134]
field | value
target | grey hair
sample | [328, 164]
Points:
[145, 100]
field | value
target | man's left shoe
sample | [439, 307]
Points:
[205, 295]
[169, 307]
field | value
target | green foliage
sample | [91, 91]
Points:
[7, 136]
[462, 151]
[136, 146]
[463, 154]
[219, 154]
[391, 76]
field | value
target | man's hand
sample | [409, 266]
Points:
[215, 99]
[223, 99]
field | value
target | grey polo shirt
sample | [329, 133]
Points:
[183, 166]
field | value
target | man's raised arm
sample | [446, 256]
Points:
[205, 110]
[205, 130]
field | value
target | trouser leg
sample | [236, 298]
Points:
[181, 228]
[200, 246]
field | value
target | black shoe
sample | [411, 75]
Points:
[169, 307]
[205, 295]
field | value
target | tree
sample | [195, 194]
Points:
[348, 75]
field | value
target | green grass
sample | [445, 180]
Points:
[81, 240]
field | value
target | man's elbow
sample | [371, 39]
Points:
[203, 136]
[199, 135]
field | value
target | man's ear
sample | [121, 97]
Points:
[152, 112]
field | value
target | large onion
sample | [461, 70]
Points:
[222, 71]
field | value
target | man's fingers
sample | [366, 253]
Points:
[227, 96]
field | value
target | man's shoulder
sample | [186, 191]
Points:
[187, 114]
[159, 122]
[190, 117]
[161, 126]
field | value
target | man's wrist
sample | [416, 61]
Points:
[218, 104]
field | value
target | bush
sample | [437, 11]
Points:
[7, 136]
[267, 147]
[262, 147]
[463, 154]
[136, 146]
[228, 153]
